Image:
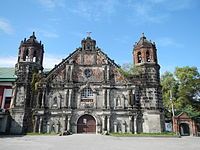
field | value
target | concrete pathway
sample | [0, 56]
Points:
[97, 142]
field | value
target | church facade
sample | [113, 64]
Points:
[86, 92]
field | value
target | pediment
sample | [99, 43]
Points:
[79, 61]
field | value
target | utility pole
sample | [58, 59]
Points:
[171, 103]
[173, 115]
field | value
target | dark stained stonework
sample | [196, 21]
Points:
[87, 84]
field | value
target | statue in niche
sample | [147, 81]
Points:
[61, 99]
[126, 103]
[118, 101]
[53, 127]
[58, 126]
[119, 128]
[125, 126]
[55, 102]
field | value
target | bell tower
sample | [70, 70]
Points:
[30, 60]
[144, 52]
[145, 59]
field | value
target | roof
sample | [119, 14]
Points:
[7, 74]
[144, 42]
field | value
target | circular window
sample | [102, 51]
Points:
[88, 72]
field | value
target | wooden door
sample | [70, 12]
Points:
[86, 124]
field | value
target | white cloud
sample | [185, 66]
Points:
[9, 61]
[167, 41]
[157, 11]
[51, 60]
[95, 10]
[51, 4]
[49, 34]
[5, 26]
[45, 33]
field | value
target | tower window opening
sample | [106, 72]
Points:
[148, 56]
[139, 57]
[27, 55]
[86, 93]
[88, 46]
[34, 56]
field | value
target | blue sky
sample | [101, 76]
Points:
[174, 25]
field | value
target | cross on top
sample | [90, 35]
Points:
[88, 33]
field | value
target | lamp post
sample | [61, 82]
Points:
[173, 115]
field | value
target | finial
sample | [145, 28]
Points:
[88, 34]
[33, 33]
[143, 34]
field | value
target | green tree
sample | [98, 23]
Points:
[129, 70]
[188, 88]
[169, 90]
[185, 87]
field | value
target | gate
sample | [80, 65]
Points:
[184, 129]
[86, 124]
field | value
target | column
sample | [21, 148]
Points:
[115, 127]
[108, 123]
[38, 100]
[71, 72]
[35, 124]
[66, 73]
[108, 73]
[130, 124]
[43, 98]
[135, 124]
[40, 125]
[104, 98]
[65, 97]
[68, 123]
[69, 98]
[48, 127]
[103, 123]
[108, 98]
[96, 100]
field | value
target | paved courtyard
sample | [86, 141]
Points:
[97, 142]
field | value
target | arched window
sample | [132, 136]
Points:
[26, 55]
[139, 57]
[88, 46]
[148, 56]
[34, 56]
[86, 93]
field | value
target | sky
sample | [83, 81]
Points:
[174, 25]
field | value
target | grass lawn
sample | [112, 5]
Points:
[46, 134]
[164, 134]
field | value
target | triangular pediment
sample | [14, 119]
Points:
[96, 61]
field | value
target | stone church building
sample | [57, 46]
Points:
[86, 92]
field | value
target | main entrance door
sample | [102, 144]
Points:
[86, 124]
[184, 129]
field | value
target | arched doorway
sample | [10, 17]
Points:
[86, 124]
[184, 129]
